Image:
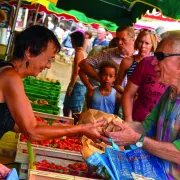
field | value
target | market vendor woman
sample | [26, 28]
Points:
[34, 51]
[162, 126]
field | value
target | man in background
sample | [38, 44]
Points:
[101, 38]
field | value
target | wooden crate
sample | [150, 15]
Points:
[23, 157]
[60, 118]
[44, 175]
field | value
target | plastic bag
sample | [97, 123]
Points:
[127, 165]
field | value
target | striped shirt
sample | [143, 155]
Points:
[163, 123]
[131, 69]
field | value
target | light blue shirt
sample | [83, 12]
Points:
[104, 103]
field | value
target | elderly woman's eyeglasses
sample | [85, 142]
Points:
[160, 55]
[50, 60]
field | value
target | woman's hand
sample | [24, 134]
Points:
[90, 130]
[124, 137]
[4, 171]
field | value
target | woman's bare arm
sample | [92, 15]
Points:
[21, 110]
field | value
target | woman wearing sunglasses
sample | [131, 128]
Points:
[159, 134]
[145, 44]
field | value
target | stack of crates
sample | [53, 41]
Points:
[43, 89]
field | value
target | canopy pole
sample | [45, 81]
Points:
[12, 30]
[36, 14]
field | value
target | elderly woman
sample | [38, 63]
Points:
[145, 44]
[159, 134]
[34, 51]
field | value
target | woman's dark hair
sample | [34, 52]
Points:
[77, 39]
[110, 64]
[36, 39]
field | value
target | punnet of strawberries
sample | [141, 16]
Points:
[65, 143]
[75, 169]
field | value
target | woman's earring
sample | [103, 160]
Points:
[27, 64]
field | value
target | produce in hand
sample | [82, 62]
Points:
[93, 116]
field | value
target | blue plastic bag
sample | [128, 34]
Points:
[13, 175]
[121, 164]
[146, 164]
[102, 162]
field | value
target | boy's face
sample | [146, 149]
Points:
[107, 76]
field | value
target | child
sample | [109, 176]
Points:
[105, 98]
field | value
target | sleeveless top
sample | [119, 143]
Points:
[104, 103]
[6, 120]
[131, 69]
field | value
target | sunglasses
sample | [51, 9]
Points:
[149, 30]
[160, 55]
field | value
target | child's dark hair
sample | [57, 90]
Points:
[110, 64]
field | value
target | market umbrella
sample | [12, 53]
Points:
[108, 13]
[169, 8]
[120, 12]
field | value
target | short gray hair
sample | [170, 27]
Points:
[174, 38]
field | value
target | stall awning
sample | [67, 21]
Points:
[108, 13]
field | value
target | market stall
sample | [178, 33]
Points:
[58, 158]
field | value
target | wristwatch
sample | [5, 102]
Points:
[139, 143]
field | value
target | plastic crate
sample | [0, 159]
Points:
[49, 109]
[34, 81]
[42, 91]
[46, 87]
[41, 96]
[36, 97]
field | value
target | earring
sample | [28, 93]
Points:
[27, 64]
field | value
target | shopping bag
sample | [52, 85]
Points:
[13, 175]
[135, 163]
[93, 116]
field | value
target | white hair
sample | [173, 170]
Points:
[174, 38]
[102, 29]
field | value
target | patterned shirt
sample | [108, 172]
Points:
[110, 54]
[164, 124]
